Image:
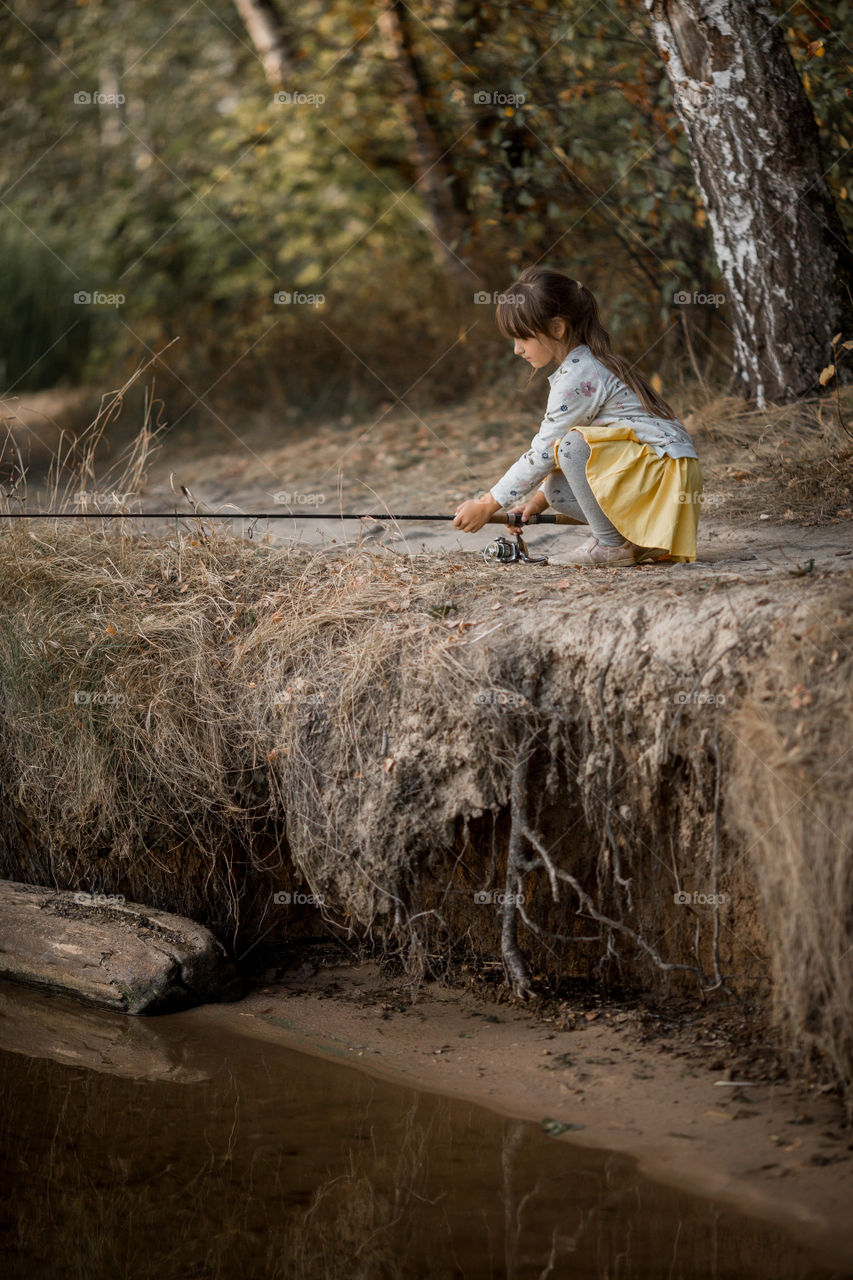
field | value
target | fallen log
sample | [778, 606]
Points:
[108, 952]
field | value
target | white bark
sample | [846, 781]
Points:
[266, 31]
[754, 144]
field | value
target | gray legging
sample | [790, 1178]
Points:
[568, 491]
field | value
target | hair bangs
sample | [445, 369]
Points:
[515, 314]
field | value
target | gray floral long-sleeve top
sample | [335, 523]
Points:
[584, 392]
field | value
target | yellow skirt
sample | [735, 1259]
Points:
[652, 501]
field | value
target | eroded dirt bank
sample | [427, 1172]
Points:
[634, 777]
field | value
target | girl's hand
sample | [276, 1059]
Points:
[534, 507]
[473, 514]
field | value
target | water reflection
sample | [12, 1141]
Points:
[229, 1157]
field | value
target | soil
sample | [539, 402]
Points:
[699, 1096]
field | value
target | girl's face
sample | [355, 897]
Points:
[542, 349]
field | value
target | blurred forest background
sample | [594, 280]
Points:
[149, 163]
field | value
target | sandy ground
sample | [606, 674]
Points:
[737, 550]
[738, 537]
[742, 552]
[671, 1094]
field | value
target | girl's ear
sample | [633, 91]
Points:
[558, 328]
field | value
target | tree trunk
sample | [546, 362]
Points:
[754, 144]
[272, 42]
[439, 186]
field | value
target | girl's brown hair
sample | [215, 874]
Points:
[539, 296]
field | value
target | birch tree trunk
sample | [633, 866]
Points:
[266, 30]
[440, 187]
[754, 144]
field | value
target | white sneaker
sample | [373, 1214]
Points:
[592, 552]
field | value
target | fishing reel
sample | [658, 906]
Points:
[502, 551]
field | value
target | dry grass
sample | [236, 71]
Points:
[792, 462]
[162, 695]
[790, 799]
[172, 704]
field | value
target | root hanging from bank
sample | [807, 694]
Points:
[516, 968]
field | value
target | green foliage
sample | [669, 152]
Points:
[44, 336]
[197, 197]
[820, 35]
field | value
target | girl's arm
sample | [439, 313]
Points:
[576, 398]
[473, 514]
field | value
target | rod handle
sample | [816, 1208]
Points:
[548, 517]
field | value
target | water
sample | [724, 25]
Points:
[162, 1148]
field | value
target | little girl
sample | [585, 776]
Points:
[610, 450]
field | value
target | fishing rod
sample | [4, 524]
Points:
[512, 518]
[499, 551]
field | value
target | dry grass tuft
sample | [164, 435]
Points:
[790, 799]
[197, 692]
[189, 712]
[792, 462]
